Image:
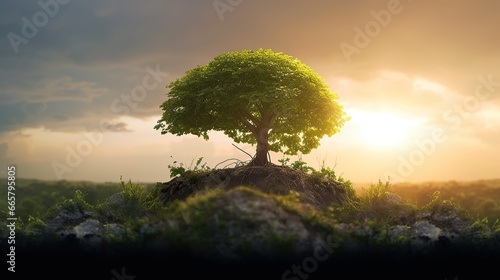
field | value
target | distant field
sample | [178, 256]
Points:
[480, 198]
[35, 197]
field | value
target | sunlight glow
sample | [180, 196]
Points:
[384, 129]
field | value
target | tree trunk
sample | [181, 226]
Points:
[262, 146]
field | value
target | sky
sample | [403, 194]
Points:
[81, 83]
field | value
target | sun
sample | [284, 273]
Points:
[384, 129]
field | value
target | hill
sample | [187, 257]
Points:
[259, 222]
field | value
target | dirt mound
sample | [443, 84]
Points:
[314, 189]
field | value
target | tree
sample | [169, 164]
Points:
[258, 97]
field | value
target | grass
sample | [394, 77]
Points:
[202, 221]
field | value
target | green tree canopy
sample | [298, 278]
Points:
[257, 97]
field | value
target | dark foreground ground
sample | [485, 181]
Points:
[55, 262]
[394, 240]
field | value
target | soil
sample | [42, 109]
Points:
[315, 190]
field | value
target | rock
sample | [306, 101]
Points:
[244, 223]
[424, 236]
[113, 232]
[68, 214]
[450, 217]
[120, 204]
[89, 233]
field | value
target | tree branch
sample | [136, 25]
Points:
[249, 117]
[249, 121]
[249, 125]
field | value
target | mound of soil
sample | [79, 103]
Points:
[315, 190]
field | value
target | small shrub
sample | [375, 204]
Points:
[199, 166]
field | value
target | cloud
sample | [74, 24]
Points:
[51, 90]
[82, 66]
[47, 103]
[115, 127]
